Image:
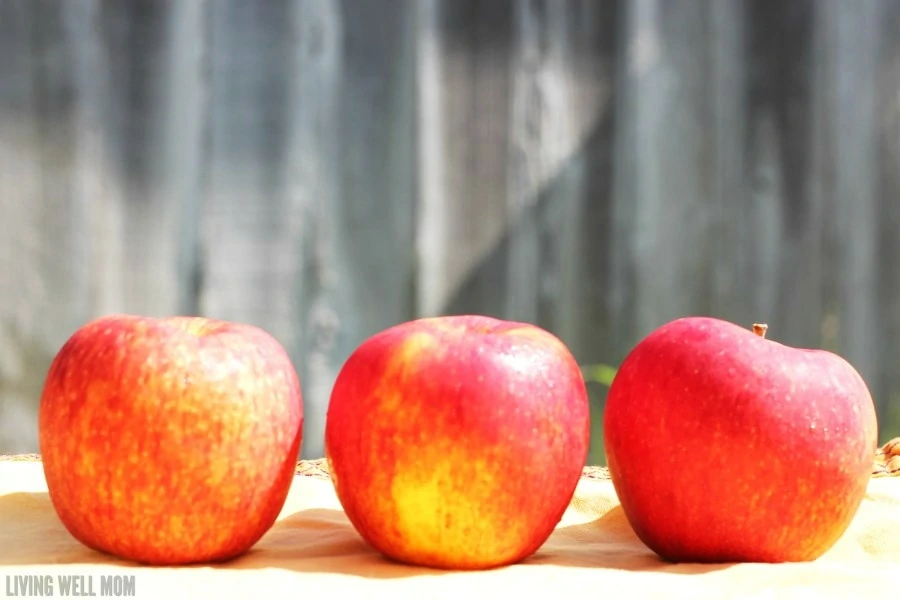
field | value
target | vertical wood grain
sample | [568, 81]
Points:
[663, 201]
[464, 111]
[327, 169]
[887, 138]
[852, 61]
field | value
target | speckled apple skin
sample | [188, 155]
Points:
[457, 442]
[727, 447]
[170, 441]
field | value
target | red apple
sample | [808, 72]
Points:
[170, 441]
[724, 446]
[457, 442]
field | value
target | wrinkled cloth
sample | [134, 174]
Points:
[313, 551]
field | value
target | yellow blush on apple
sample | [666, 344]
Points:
[457, 442]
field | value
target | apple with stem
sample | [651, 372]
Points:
[170, 440]
[725, 446]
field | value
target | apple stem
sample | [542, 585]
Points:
[760, 329]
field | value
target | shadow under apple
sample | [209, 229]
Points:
[32, 534]
[324, 541]
[609, 542]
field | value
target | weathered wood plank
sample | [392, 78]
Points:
[851, 58]
[463, 118]
[663, 202]
[269, 170]
[887, 157]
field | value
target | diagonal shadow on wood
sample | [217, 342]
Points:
[580, 314]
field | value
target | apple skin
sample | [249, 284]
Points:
[456, 442]
[724, 446]
[170, 441]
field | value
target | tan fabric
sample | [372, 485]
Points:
[313, 550]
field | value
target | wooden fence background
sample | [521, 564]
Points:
[326, 168]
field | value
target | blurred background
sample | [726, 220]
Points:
[325, 169]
